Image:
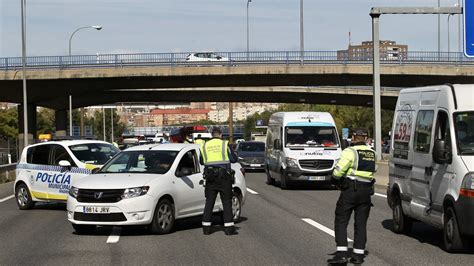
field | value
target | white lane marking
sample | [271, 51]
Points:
[252, 191]
[322, 228]
[380, 195]
[7, 198]
[114, 236]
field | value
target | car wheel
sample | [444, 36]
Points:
[270, 180]
[163, 219]
[284, 182]
[236, 206]
[453, 241]
[402, 224]
[23, 197]
[82, 229]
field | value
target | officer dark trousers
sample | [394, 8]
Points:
[355, 199]
[221, 184]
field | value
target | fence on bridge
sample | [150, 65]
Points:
[230, 59]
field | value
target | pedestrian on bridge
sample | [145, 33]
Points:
[219, 177]
[354, 174]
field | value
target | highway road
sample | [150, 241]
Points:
[278, 227]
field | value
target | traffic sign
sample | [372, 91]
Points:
[469, 28]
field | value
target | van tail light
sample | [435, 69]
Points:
[242, 170]
[467, 186]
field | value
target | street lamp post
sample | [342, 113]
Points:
[23, 60]
[301, 33]
[449, 44]
[248, 45]
[97, 27]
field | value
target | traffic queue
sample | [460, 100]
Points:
[430, 180]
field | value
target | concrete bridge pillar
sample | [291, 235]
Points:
[31, 108]
[61, 122]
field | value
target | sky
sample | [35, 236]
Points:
[155, 26]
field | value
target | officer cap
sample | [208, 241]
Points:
[360, 132]
[216, 130]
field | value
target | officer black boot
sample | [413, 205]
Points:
[357, 259]
[230, 230]
[339, 258]
[206, 230]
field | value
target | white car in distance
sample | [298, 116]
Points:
[206, 57]
[147, 185]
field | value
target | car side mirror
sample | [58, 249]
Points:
[64, 163]
[277, 144]
[183, 172]
[344, 144]
[441, 153]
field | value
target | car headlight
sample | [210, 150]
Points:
[134, 192]
[73, 191]
[290, 162]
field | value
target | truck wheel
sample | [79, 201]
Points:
[453, 241]
[82, 229]
[163, 219]
[23, 197]
[284, 182]
[402, 224]
[270, 180]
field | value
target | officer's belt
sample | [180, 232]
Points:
[359, 179]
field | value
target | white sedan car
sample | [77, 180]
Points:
[206, 57]
[146, 185]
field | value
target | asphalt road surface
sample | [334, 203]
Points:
[291, 227]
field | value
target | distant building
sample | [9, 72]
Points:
[389, 51]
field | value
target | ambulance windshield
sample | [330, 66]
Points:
[94, 153]
[464, 126]
[311, 136]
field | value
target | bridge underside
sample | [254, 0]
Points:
[291, 84]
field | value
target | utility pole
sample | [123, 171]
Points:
[301, 33]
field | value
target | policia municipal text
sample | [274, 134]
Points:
[354, 174]
[219, 177]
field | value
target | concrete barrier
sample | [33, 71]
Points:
[7, 173]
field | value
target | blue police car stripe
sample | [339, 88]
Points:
[41, 167]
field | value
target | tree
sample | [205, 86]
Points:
[9, 123]
[97, 124]
[45, 121]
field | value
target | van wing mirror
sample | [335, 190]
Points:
[277, 144]
[95, 170]
[441, 153]
[344, 144]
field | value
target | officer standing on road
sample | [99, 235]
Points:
[355, 175]
[217, 157]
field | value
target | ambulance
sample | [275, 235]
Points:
[46, 171]
[431, 170]
[301, 146]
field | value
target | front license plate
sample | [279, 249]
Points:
[255, 165]
[96, 209]
[317, 178]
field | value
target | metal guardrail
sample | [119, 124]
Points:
[7, 167]
[234, 59]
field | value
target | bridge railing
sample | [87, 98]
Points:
[234, 59]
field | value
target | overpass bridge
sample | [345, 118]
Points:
[318, 77]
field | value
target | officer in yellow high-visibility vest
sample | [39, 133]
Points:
[199, 141]
[217, 157]
[354, 172]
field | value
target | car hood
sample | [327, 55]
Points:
[244, 154]
[115, 180]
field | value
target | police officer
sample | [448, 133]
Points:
[199, 141]
[217, 157]
[354, 173]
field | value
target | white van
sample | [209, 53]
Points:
[301, 146]
[432, 161]
[47, 170]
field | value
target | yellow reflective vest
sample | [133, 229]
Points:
[357, 163]
[215, 152]
[199, 142]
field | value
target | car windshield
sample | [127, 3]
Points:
[307, 136]
[147, 162]
[94, 153]
[252, 147]
[465, 132]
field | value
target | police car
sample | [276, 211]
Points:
[47, 170]
[147, 185]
